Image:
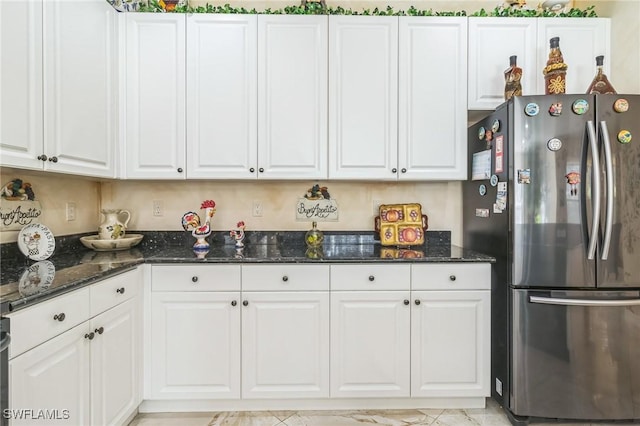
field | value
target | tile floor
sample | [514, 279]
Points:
[492, 415]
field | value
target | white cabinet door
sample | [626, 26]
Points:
[285, 345]
[370, 332]
[491, 42]
[21, 134]
[222, 96]
[363, 97]
[195, 345]
[114, 364]
[450, 343]
[292, 97]
[155, 96]
[80, 87]
[432, 107]
[581, 40]
[53, 377]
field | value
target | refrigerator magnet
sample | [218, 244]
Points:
[481, 133]
[621, 105]
[624, 136]
[488, 135]
[555, 109]
[494, 180]
[554, 144]
[573, 179]
[524, 176]
[531, 109]
[482, 189]
[580, 106]
[482, 212]
[495, 126]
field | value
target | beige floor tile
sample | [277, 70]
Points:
[253, 418]
[172, 419]
[386, 418]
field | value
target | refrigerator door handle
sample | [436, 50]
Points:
[595, 190]
[608, 163]
[583, 302]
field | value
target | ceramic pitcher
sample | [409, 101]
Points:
[112, 226]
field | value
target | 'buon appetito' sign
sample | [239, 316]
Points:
[317, 206]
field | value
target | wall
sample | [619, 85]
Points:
[53, 191]
[441, 201]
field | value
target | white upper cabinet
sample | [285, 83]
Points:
[80, 86]
[363, 97]
[432, 113]
[292, 97]
[581, 40]
[59, 86]
[221, 96]
[491, 42]
[21, 126]
[155, 96]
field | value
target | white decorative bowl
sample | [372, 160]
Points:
[94, 242]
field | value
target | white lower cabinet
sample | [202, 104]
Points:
[86, 374]
[115, 390]
[285, 344]
[196, 332]
[450, 343]
[195, 348]
[370, 344]
[283, 332]
[451, 330]
[54, 376]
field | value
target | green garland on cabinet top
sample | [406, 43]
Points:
[316, 8]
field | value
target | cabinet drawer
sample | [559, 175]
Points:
[370, 277]
[112, 291]
[285, 277]
[451, 276]
[37, 324]
[195, 278]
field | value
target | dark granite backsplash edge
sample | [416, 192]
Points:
[70, 243]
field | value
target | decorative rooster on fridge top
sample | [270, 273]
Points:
[191, 221]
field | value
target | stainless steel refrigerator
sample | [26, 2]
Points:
[554, 194]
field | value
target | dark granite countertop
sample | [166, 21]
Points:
[74, 266]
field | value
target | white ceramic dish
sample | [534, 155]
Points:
[94, 242]
[36, 241]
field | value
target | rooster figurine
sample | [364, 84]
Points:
[238, 234]
[191, 221]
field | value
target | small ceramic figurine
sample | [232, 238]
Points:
[191, 221]
[238, 234]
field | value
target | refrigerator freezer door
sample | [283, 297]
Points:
[551, 180]
[573, 356]
[620, 267]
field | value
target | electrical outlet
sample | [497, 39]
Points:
[71, 211]
[257, 208]
[158, 208]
